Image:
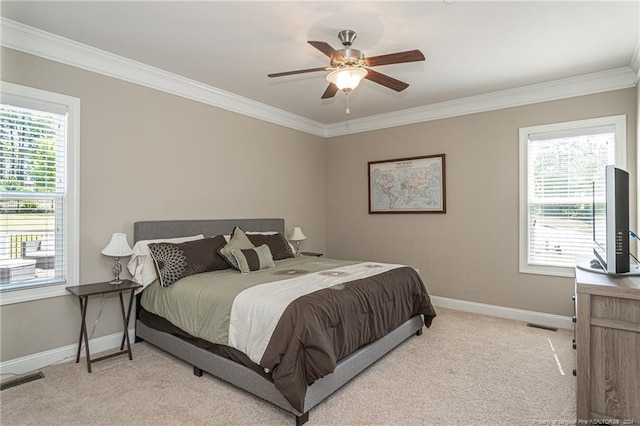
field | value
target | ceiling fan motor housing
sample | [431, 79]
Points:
[351, 57]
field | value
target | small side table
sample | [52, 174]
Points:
[83, 292]
[310, 253]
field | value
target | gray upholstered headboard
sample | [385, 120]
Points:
[154, 229]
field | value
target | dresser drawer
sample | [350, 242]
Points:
[616, 309]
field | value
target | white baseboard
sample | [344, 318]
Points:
[547, 320]
[67, 353]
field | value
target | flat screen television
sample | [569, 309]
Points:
[611, 229]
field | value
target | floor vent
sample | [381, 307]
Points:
[21, 380]
[544, 327]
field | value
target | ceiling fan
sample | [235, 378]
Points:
[349, 66]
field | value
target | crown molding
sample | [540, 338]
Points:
[635, 61]
[36, 42]
[33, 41]
[619, 78]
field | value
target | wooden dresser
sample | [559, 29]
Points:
[607, 348]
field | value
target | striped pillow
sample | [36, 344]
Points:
[253, 259]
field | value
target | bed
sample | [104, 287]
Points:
[308, 351]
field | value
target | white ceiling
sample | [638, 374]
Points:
[471, 47]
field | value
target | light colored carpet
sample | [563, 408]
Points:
[466, 369]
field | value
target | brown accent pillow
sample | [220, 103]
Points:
[253, 259]
[279, 246]
[174, 261]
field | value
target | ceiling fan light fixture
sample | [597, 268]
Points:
[348, 78]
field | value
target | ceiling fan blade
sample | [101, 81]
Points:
[331, 91]
[327, 50]
[280, 74]
[395, 58]
[386, 81]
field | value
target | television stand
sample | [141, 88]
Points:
[586, 265]
[607, 341]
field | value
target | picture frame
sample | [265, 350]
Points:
[408, 185]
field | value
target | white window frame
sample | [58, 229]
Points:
[27, 96]
[620, 125]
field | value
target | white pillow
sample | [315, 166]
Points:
[141, 266]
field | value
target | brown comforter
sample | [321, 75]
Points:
[313, 331]
[319, 329]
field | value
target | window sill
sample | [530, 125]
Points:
[555, 271]
[9, 297]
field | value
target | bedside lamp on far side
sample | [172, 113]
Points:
[117, 247]
[297, 235]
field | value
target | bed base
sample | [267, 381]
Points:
[238, 374]
[250, 381]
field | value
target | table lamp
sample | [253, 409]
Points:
[117, 247]
[297, 235]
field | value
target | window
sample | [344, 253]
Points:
[558, 165]
[39, 139]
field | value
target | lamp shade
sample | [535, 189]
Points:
[348, 78]
[297, 234]
[118, 246]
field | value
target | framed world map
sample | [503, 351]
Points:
[407, 185]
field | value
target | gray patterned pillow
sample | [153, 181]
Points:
[253, 259]
[175, 261]
[238, 240]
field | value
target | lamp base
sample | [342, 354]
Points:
[117, 268]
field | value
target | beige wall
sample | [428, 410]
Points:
[150, 155]
[146, 155]
[471, 252]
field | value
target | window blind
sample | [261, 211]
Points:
[562, 169]
[32, 195]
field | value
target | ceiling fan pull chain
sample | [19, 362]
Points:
[347, 110]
